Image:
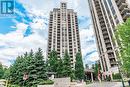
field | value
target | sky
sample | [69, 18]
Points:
[28, 29]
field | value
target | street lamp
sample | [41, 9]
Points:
[118, 65]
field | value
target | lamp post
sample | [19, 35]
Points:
[118, 65]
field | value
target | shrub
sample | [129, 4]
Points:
[116, 76]
[13, 85]
[88, 81]
[47, 82]
[108, 78]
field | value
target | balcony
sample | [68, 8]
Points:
[100, 17]
[120, 1]
[107, 41]
[126, 15]
[109, 51]
[108, 46]
[99, 14]
[111, 57]
[101, 21]
[98, 7]
[98, 10]
[103, 28]
[105, 32]
[102, 24]
[96, 3]
[113, 62]
[125, 10]
[122, 6]
[106, 37]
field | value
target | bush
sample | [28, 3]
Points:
[47, 82]
[116, 76]
[128, 75]
[108, 78]
[88, 81]
[13, 85]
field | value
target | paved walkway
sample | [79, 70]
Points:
[106, 84]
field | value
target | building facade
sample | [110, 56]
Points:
[63, 32]
[106, 15]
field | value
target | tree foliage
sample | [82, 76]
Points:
[61, 66]
[67, 70]
[79, 69]
[1, 71]
[55, 64]
[33, 65]
[96, 68]
[6, 73]
[53, 61]
[123, 39]
[36, 68]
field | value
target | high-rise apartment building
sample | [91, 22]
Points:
[106, 15]
[63, 32]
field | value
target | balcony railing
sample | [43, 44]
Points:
[106, 36]
[107, 41]
[111, 57]
[125, 10]
[113, 62]
[126, 15]
[122, 6]
[120, 1]
[108, 46]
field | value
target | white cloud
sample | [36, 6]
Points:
[5, 62]
[38, 23]
[21, 27]
[19, 13]
[45, 6]
[93, 57]
[88, 44]
[16, 44]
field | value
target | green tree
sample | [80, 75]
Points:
[60, 68]
[93, 66]
[6, 73]
[37, 68]
[53, 62]
[16, 70]
[33, 64]
[67, 70]
[123, 38]
[40, 65]
[96, 67]
[1, 71]
[79, 69]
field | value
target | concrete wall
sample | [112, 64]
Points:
[74, 84]
[59, 82]
[62, 82]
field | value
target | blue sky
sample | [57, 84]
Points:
[28, 29]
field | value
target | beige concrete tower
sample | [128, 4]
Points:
[63, 32]
[106, 15]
